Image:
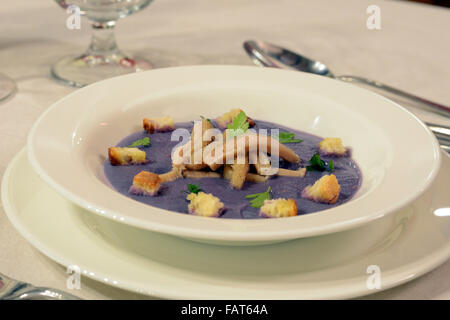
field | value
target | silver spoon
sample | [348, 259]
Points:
[16, 290]
[269, 55]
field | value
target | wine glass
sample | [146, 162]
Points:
[7, 87]
[103, 59]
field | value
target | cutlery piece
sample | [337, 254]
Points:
[441, 132]
[16, 290]
[445, 148]
[444, 144]
[268, 55]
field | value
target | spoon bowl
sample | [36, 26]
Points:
[269, 55]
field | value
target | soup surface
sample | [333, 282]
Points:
[172, 195]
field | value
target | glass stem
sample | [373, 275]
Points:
[103, 42]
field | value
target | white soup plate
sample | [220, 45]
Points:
[398, 156]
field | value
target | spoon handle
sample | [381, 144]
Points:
[11, 289]
[424, 103]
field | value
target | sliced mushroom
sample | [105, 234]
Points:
[292, 173]
[239, 174]
[174, 174]
[250, 177]
[200, 174]
[263, 166]
[266, 143]
[227, 172]
[198, 144]
[253, 177]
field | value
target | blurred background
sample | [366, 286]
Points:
[443, 3]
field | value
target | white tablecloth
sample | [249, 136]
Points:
[411, 51]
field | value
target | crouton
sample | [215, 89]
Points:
[145, 183]
[125, 156]
[228, 117]
[278, 208]
[161, 124]
[332, 147]
[205, 205]
[326, 190]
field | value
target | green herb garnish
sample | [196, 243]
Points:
[239, 125]
[193, 188]
[330, 165]
[144, 142]
[287, 137]
[258, 198]
[317, 164]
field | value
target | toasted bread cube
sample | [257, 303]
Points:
[161, 124]
[332, 146]
[205, 205]
[124, 156]
[228, 117]
[146, 183]
[326, 190]
[279, 208]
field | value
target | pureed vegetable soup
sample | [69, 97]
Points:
[244, 203]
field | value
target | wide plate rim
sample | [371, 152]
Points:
[391, 278]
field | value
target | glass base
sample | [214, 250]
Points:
[7, 87]
[86, 69]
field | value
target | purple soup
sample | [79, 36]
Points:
[172, 195]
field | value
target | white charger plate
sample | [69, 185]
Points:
[403, 245]
[398, 156]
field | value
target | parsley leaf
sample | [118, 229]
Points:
[239, 125]
[193, 188]
[287, 137]
[330, 165]
[144, 142]
[258, 198]
[317, 164]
